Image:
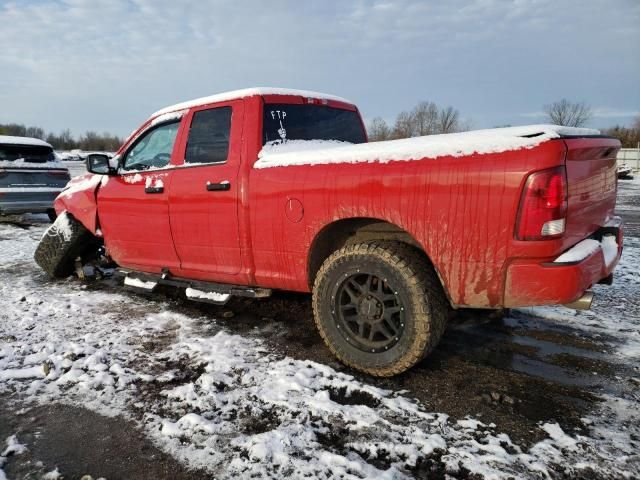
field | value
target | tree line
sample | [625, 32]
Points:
[427, 118]
[628, 136]
[65, 140]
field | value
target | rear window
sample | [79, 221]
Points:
[28, 153]
[284, 121]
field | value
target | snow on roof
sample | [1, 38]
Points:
[166, 117]
[248, 92]
[9, 140]
[317, 152]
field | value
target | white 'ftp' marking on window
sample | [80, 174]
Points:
[279, 114]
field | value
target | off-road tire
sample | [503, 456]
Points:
[58, 250]
[425, 304]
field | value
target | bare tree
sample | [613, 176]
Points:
[465, 125]
[379, 130]
[425, 118]
[95, 141]
[67, 140]
[14, 129]
[403, 128]
[568, 114]
[63, 141]
[448, 120]
[629, 136]
[35, 132]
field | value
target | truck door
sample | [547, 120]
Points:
[203, 197]
[133, 207]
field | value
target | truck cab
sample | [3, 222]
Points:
[180, 195]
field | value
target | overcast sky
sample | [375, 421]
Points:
[106, 65]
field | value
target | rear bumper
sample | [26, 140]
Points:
[27, 202]
[549, 283]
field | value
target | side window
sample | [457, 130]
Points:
[153, 149]
[209, 136]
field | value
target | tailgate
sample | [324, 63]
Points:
[592, 180]
[37, 178]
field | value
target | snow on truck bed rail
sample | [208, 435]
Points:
[495, 140]
[248, 92]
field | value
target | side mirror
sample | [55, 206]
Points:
[99, 163]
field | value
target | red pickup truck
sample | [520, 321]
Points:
[260, 189]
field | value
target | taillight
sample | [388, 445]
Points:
[543, 206]
[59, 173]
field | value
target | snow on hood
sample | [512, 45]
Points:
[10, 140]
[495, 140]
[248, 92]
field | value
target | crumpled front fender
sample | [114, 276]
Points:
[79, 198]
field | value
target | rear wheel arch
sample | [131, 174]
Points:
[340, 233]
[379, 307]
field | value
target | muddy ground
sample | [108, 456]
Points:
[515, 371]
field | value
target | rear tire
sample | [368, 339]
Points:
[64, 241]
[379, 307]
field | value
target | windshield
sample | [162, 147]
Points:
[284, 121]
[153, 149]
[28, 153]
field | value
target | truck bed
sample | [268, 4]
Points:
[456, 195]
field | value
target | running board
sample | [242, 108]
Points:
[207, 292]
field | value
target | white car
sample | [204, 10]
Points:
[625, 172]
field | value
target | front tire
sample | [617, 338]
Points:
[64, 241]
[379, 307]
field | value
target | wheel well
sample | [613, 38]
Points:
[354, 230]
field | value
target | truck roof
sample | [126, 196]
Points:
[248, 92]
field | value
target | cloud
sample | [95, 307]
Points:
[614, 113]
[105, 65]
[532, 115]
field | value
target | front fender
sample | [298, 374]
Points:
[79, 198]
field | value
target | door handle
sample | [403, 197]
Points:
[153, 189]
[218, 187]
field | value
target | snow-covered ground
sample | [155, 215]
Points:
[229, 404]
